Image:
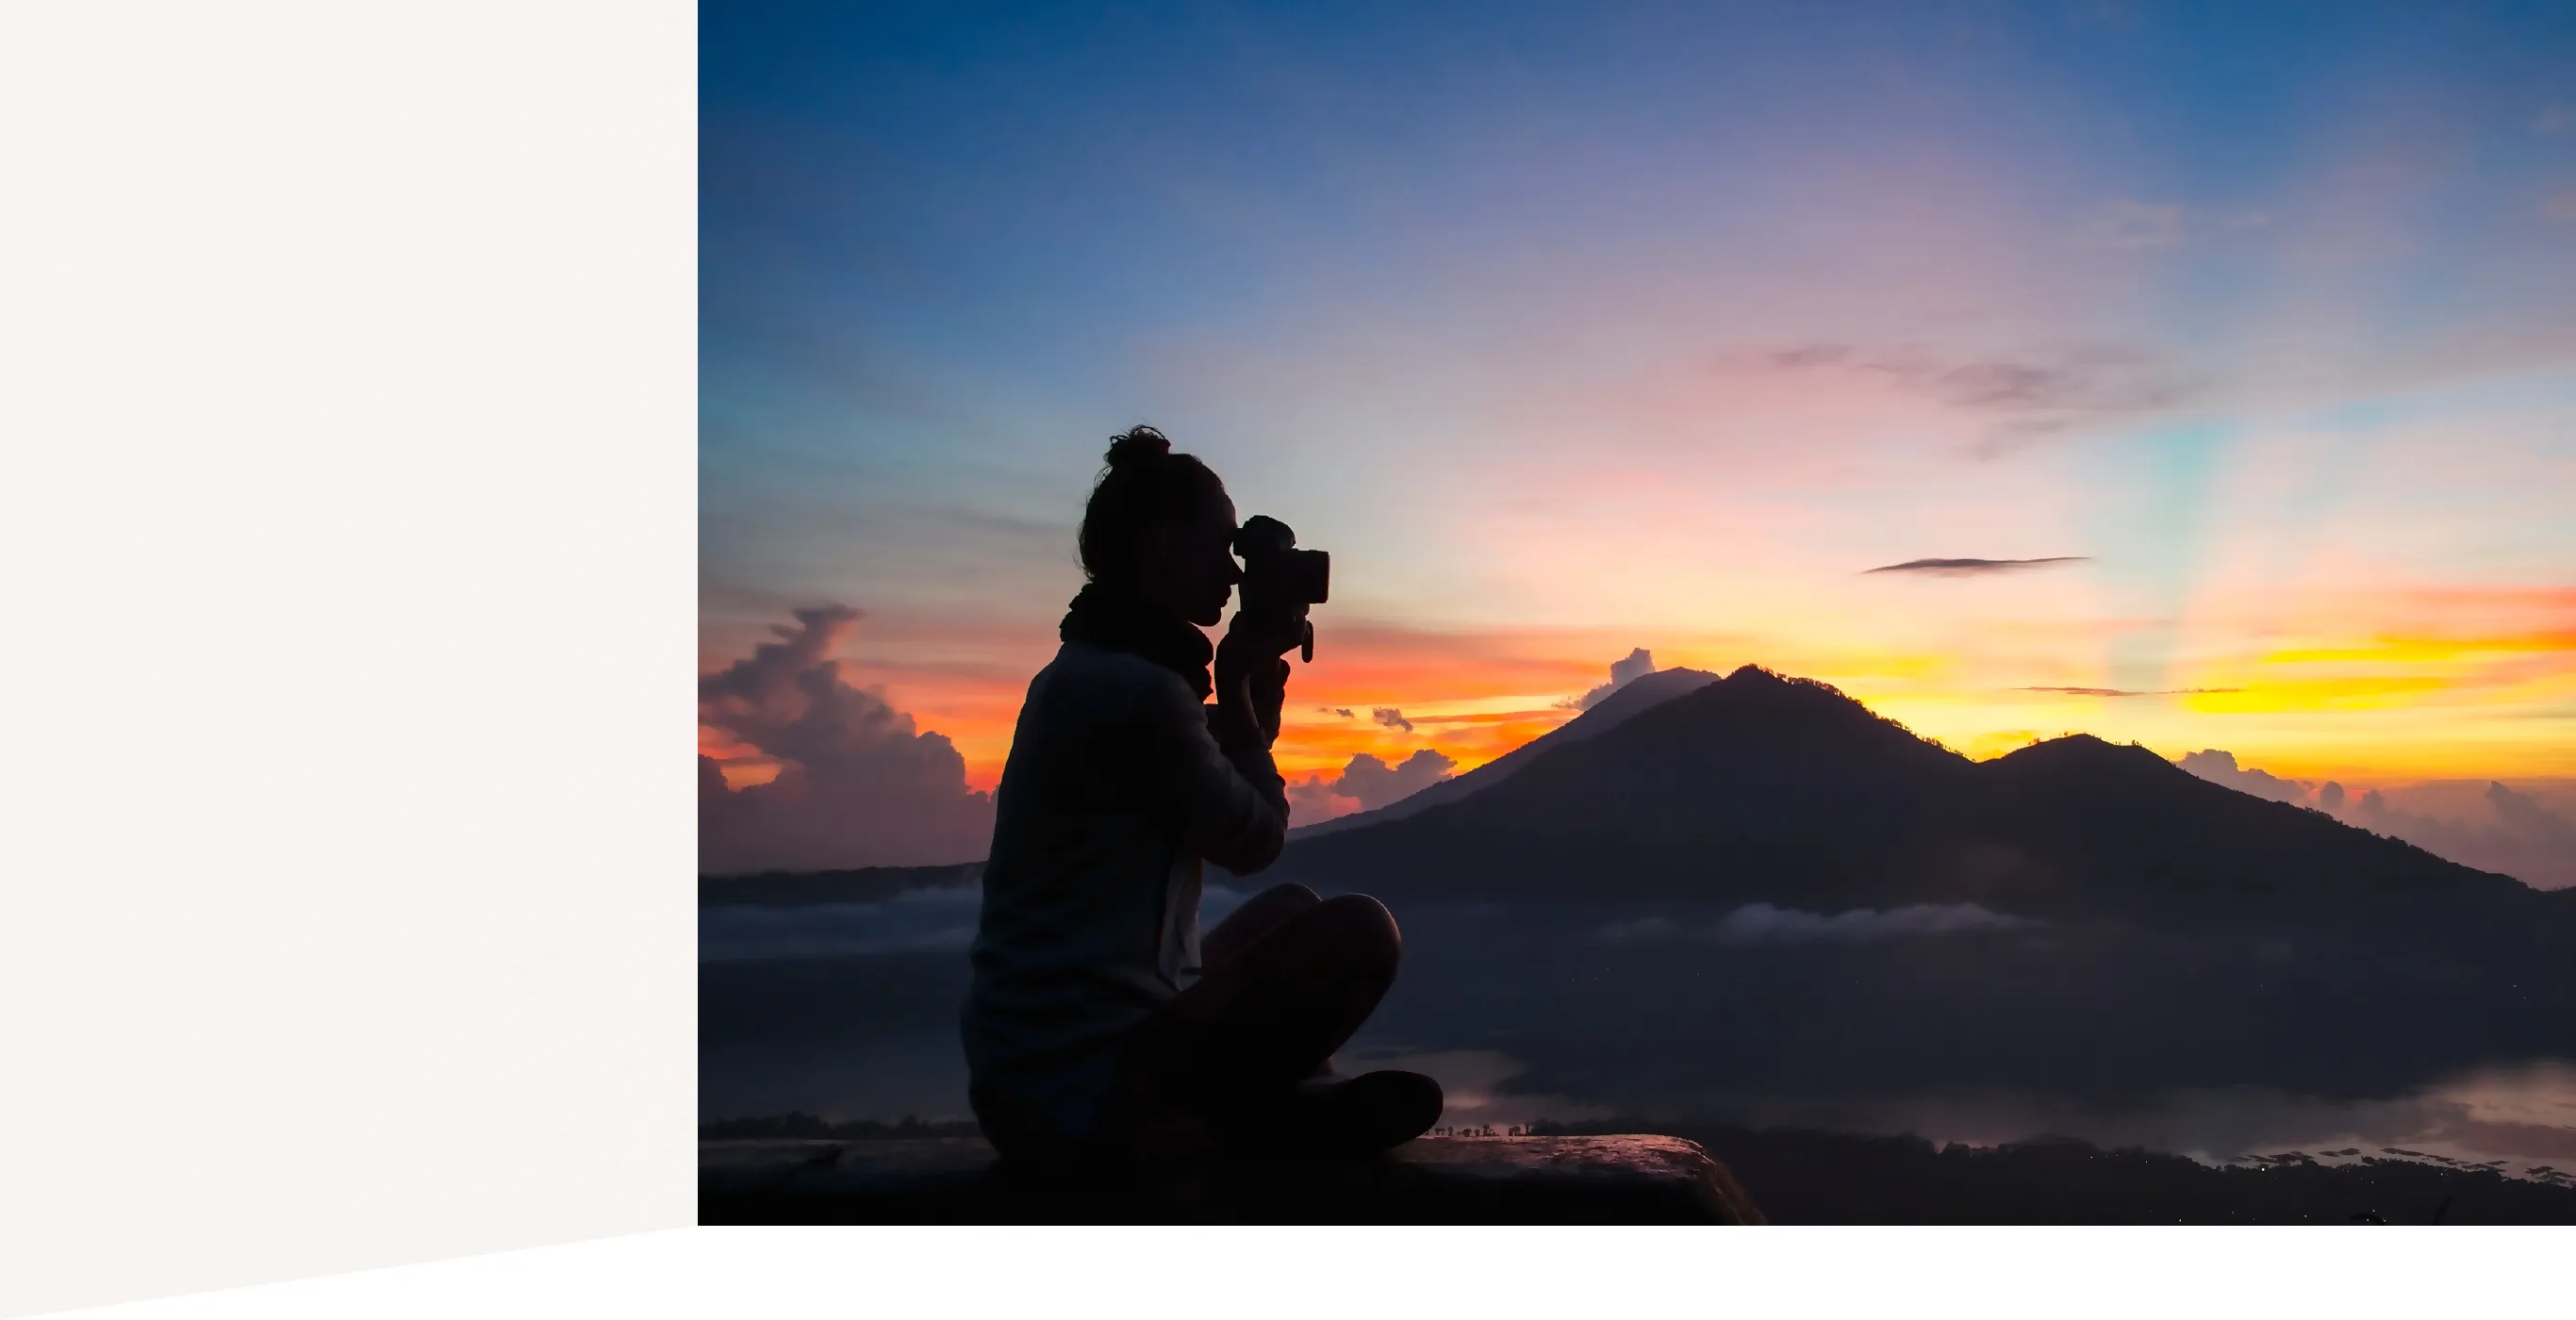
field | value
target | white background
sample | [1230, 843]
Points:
[347, 355]
[348, 359]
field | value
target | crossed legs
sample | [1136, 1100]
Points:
[1285, 981]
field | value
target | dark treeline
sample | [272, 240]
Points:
[1808, 1177]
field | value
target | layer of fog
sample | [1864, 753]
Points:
[927, 920]
[915, 921]
[1762, 923]
[939, 919]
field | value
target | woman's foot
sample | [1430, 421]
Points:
[1370, 1112]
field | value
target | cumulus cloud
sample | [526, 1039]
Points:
[857, 784]
[1365, 784]
[1312, 800]
[1763, 923]
[2519, 836]
[1973, 567]
[1374, 783]
[1390, 717]
[2526, 816]
[1640, 662]
[2493, 829]
[2220, 768]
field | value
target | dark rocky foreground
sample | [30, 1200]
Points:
[1806, 1177]
[799, 1169]
[1602, 1179]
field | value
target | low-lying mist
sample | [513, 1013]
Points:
[1762, 923]
[1976, 1022]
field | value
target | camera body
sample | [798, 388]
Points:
[1280, 580]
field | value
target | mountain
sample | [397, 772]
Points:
[1636, 695]
[1759, 788]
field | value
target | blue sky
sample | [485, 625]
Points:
[1575, 329]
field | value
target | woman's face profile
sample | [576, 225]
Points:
[1189, 565]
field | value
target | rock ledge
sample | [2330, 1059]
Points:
[1435, 1180]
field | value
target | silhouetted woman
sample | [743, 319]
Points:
[1100, 1027]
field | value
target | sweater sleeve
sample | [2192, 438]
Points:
[1233, 807]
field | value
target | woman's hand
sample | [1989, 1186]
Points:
[1251, 660]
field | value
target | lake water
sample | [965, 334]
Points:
[1952, 1028]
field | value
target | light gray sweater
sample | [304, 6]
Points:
[1114, 792]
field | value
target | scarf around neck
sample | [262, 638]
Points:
[1120, 621]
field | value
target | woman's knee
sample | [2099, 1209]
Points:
[1288, 896]
[1363, 925]
[1254, 920]
[1263, 912]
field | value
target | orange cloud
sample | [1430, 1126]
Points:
[966, 679]
[1364, 664]
[1495, 717]
[2358, 675]
[1473, 745]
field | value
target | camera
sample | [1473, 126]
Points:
[1280, 580]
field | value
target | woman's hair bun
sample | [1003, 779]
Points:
[1139, 445]
[1145, 483]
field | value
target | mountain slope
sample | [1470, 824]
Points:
[1754, 786]
[1764, 789]
[2124, 826]
[1639, 694]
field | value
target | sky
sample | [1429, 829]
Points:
[2238, 342]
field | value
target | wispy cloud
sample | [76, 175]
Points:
[2133, 226]
[2129, 225]
[2027, 396]
[1974, 567]
[1390, 717]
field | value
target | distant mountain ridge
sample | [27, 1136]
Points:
[1636, 695]
[1760, 788]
